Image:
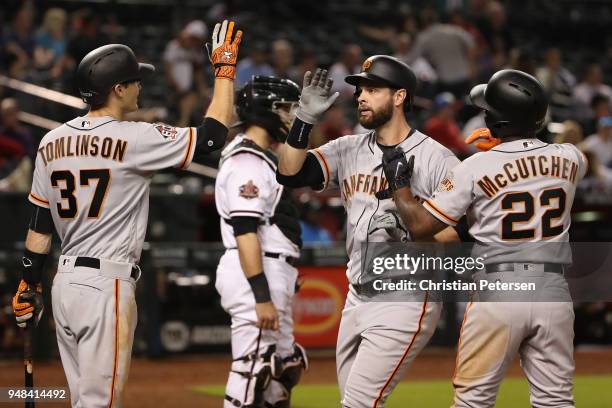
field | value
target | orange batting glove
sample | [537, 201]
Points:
[484, 139]
[223, 53]
[28, 304]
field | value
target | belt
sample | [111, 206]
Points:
[88, 262]
[276, 255]
[511, 267]
[289, 259]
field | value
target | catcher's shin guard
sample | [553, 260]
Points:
[258, 369]
[293, 366]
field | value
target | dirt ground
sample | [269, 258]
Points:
[166, 382]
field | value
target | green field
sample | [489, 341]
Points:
[590, 392]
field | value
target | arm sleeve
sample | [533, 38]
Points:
[39, 194]
[310, 175]
[244, 225]
[41, 220]
[161, 146]
[452, 197]
[328, 157]
[247, 187]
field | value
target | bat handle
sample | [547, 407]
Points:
[27, 361]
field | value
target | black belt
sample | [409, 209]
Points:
[289, 259]
[88, 262]
[509, 267]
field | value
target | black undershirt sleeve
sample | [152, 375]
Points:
[310, 175]
[41, 220]
[244, 225]
[211, 135]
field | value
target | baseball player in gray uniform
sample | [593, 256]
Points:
[520, 191]
[256, 277]
[376, 340]
[91, 183]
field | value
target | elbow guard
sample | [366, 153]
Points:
[211, 137]
[310, 175]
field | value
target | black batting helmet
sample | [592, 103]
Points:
[258, 101]
[515, 103]
[106, 67]
[388, 70]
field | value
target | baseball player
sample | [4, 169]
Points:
[520, 191]
[91, 184]
[256, 276]
[376, 340]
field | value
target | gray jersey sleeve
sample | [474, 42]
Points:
[160, 146]
[328, 156]
[39, 194]
[583, 163]
[453, 195]
[441, 162]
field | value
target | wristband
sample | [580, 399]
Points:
[298, 134]
[259, 286]
[33, 265]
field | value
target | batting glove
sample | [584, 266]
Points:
[28, 304]
[397, 170]
[315, 99]
[391, 223]
[483, 138]
[223, 53]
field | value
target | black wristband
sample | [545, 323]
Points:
[33, 265]
[298, 134]
[259, 286]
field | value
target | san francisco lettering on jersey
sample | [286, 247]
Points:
[356, 183]
[83, 145]
[526, 167]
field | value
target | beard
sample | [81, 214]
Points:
[377, 118]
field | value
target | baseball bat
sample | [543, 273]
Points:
[27, 362]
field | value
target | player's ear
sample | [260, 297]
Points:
[399, 97]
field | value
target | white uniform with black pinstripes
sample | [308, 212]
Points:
[94, 174]
[377, 340]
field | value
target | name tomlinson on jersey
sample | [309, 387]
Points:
[83, 145]
[526, 167]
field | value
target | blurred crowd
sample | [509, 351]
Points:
[451, 48]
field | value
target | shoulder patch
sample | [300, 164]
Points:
[167, 131]
[249, 190]
[447, 183]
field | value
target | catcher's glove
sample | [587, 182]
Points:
[483, 138]
[223, 53]
[28, 304]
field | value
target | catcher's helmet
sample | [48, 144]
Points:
[515, 103]
[106, 67]
[388, 70]
[258, 101]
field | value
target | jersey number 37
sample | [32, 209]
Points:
[65, 181]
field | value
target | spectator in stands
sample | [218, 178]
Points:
[308, 62]
[335, 125]
[451, 51]
[51, 42]
[86, 36]
[558, 83]
[521, 58]
[312, 233]
[600, 143]
[282, 59]
[183, 61]
[596, 186]
[494, 28]
[402, 44]
[571, 133]
[350, 63]
[600, 108]
[443, 127]
[254, 64]
[592, 85]
[17, 149]
[18, 41]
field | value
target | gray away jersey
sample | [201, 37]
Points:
[353, 163]
[520, 191]
[93, 173]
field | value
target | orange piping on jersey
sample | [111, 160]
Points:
[440, 212]
[40, 200]
[467, 309]
[188, 152]
[318, 153]
[382, 391]
[112, 395]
